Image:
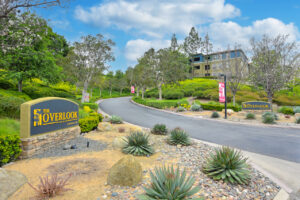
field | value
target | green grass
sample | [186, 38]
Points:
[9, 127]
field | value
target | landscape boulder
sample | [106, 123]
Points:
[104, 126]
[297, 115]
[119, 142]
[10, 182]
[229, 111]
[126, 172]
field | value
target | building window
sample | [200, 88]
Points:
[223, 56]
[197, 59]
[197, 67]
[207, 74]
[207, 67]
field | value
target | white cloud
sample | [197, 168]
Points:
[231, 33]
[156, 17]
[136, 48]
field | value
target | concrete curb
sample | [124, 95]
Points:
[281, 195]
[222, 121]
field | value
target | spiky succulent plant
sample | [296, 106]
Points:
[138, 144]
[116, 119]
[159, 129]
[179, 136]
[229, 165]
[169, 184]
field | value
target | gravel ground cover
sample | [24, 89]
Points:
[81, 146]
[192, 158]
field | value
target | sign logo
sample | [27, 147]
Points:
[132, 89]
[256, 105]
[46, 115]
[221, 92]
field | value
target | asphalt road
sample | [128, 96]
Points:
[283, 143]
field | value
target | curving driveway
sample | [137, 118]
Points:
[283, 143]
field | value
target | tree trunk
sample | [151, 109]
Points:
[91, 93]
[143, 92]
[160, 92]
[85, 86]
[233, 99]
[20, 85]
[270, 99]
[100, 92]
[137, 92]
[110, 89]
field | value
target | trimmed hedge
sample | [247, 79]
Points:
[93, 106]
[42, 91]
[173, 94]
[10, 107]
[5, 84]
[160, 104]
[91, 122]
[286, 110]
[219, 107]
[9, 148]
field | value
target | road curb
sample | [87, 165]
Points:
[221, 121]
[281, 195]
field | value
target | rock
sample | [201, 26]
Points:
[229, 111]
[74, 146]
[119, 142]
[126, 172]
[104, 126]
[297, 115]
[10, 182]
[114, 194]
[67, 146]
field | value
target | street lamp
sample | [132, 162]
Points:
[224, 75]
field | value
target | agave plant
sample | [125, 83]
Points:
[169, 184]
[179, 136]
[159, 129]
[116, 119]
[227, 164]
[138, 144]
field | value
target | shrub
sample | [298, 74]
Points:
[87, 109]
[173, 94]
[93, 106]
[188, 92]
[35, 92]
[116, 119]
[159, 129]
[52, 187]
[98, 115]
[268, 119]
[9, 127]
[168, 183]
[179, 136]
[195, 107]
[5, 84]
[180, 109]
[9, 148]
[227, 164]
[215, 115]
[138, 145]
[250, 116]
[297, 109]
[286, 110]
[83, 114]
[271, 114]
[88, 123]
[10, 107]
[297, 120]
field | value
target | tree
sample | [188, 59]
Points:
[11, 6]
[235, 70]
[38, 58]
[274, 62]
[174, 45]
[192, 44]
[92, 54]
[120, 80]
[207, 48]
[109, 81]
[169, 67]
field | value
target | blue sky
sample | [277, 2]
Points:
[137, 25]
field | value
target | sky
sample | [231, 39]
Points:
[137, 25]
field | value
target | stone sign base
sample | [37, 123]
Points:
[41, 143]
